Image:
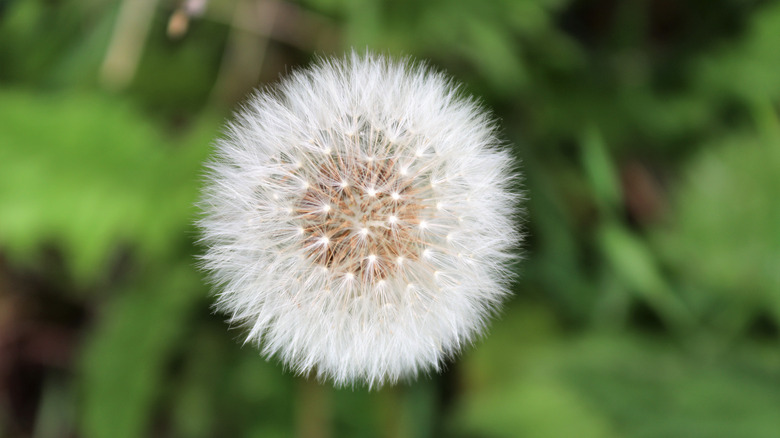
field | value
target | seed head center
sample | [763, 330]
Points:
[359, 217]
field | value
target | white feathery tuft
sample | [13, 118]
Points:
[359, 219]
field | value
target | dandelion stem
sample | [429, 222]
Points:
[313, 409]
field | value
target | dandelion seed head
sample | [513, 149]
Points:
[326, 226]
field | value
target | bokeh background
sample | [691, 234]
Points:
[648, 303]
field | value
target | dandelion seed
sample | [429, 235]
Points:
[345, 283]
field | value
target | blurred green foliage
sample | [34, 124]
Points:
[87, 184]
[649, 299]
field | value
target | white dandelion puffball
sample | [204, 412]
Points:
[359, 220]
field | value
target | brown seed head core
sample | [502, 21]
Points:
[359, 217]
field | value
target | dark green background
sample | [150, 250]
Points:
[648, 303]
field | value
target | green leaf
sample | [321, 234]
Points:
[723, 237]
[634, 264]
[600, 171]
[123, 368]
[603, 384]
[89, 175]
[652, 389]
[748, 67]
[540, 408]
